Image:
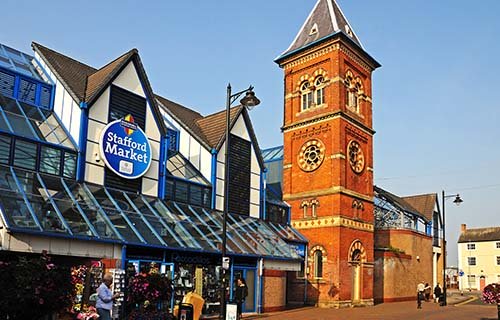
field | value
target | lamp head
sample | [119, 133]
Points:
[249, 100]
[458, 200]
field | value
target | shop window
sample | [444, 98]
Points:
[50, 160]
[318, 264]
[319, 85]
[25, 155]
[240, 151]
[471, 246]
[5, 143]
[471, 261]
[306, 96]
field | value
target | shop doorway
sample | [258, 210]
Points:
[249, 275]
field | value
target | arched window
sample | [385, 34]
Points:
[354, 89]
[318, 264]
[307, 96]
[319, 85]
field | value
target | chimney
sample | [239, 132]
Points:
[463, 228]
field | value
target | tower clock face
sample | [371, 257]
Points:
[356, 157]
[311, 155]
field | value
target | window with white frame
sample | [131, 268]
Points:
[471, 280]
[306, 94]
[319, 85]
[471, 246]
[471, 261]
[318, 264]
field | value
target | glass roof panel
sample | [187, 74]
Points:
[179, 167]
[12, 204]
[39, 201]
[18, 61]
[137, 220]
[113, 214]
[92, 211]
[173, 221]
[68, 209]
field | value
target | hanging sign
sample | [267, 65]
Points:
[125, 148]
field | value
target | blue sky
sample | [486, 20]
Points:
[435, 105]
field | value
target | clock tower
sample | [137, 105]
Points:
[328, 157]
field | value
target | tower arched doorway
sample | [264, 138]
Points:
[357, 256]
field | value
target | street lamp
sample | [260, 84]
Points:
[457, 201]
[248, 101]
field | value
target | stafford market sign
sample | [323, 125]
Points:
[125, 148]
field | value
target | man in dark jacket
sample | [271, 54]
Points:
[241, 292]
[437, 293]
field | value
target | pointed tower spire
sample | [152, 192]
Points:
[326, 19]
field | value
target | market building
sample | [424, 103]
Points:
[478, 257]
[96, 169]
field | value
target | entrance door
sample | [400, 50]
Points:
[482, 283]
[168, 270]
[249, 275]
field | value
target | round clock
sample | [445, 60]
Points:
[356, 158]
[311, 155]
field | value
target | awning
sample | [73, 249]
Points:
[53, 206]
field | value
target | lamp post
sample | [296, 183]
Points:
[457, 201]
[248, 101]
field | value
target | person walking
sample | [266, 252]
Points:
[420, 294]
[240, 294]
[437, 293]
[427, 292]
[105, 298]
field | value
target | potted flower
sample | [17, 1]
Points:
[491, 294]
[88, 313]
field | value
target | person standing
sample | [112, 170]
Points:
[240, 294]
[437, 293]
[105, 298]
[427, 292]
[420, 294]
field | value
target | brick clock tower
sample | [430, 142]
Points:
[328, 158]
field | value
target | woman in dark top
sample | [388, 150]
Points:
[241, 292]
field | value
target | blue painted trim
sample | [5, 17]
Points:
[82, 144]
[213, 178]
[231, 281]
[273, 160]
[61, 235]
[162, 167]
[263, 188]
[124, 257]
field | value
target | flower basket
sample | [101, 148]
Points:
[491, 294]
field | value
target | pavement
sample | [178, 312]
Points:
[460, 307]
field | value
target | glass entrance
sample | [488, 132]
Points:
[249, 275]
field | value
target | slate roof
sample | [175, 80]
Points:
[325, 19]
[480, 234]
[424, 203]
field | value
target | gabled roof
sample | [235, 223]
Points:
[398, 201]
[86, 84]
[325, 19]
[424, 203]
[73, 74]
[214, 126]
[480, 234]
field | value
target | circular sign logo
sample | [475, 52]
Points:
[125, 148]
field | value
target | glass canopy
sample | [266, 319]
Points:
[17, 61]
[42, 204]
